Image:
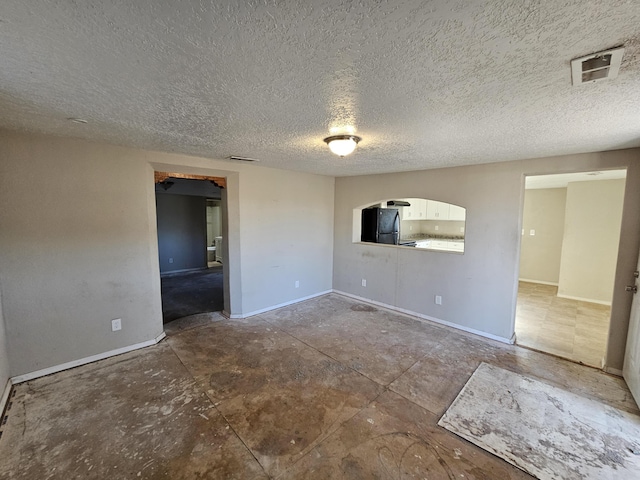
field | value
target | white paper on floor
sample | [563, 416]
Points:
[546, 431]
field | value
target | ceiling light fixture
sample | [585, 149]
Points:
[342, 145]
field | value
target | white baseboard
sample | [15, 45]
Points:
[280, 305]
[528, 280]
[5, 396]
[421, 316]
[83, 361]
[582, 299]
[568, 297]
[613, 371]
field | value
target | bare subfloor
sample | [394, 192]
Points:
[327, 388]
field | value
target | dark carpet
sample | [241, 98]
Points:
[188, 293]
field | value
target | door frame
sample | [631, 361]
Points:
[229, 183]
[631, 368]
[629, 245]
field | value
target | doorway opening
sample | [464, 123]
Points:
[189, 213]
[214, 232]
[570, 236]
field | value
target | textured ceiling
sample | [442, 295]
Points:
[425, 83]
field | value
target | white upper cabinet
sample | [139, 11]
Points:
[437, 210]
[417, 210]
[420, 208]
[457, 213]
[423, 209]
[444, 211]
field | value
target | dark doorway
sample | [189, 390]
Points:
[188, 293]
[189, 217]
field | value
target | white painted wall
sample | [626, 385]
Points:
[544, 212]
[591, 236]
[99, 258]
[214, 222]
[479, 287]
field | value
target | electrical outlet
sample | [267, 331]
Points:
[438, 300]
[410, 227]
[437, 228]
[532, 232]
[116, 324]
[297, 284]
[461, 229]
[523, 231]
[364, 282]
[171, 260]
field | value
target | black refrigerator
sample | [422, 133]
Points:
[380, 225]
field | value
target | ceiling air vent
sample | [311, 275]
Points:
[242, 159]
[597, 66]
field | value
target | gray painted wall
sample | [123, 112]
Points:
[479, 287]
[287, 235]
[95, 263]
[540, 254]
[591, 236]
[4, 356]
[99, 259]
[182, 232]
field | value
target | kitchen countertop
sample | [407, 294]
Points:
[424, 236]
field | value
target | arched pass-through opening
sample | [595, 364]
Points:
[191, 215]
[420, 223]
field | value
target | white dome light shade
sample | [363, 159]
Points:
[342, 145]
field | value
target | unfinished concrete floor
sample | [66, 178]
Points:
[327, 388]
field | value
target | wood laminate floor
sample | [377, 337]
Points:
[329, 388]
[567, 328]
